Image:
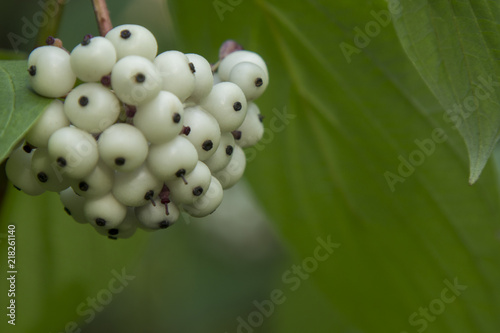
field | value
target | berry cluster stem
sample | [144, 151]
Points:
[102, 16]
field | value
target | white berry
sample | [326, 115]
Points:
[173, 159]
[73, 205]
[74, 151]
[252, 129]
[233, 172]
[136, 188]
[226, 103]
[96, 183]
[160, 120]
[154, 217]
[203, 78]
[177, 73]
[52, 119]
[132, 39]
[123, 147]
[50, 72]
[135, 80]
[204, 132]
[93, 58]
[250, 78]
[105, 212]
[92, 107]
[125, 229]
[236, 57]
[194, 185]
[222, 155]
[47, 172]
[18, 171]
[208, 203]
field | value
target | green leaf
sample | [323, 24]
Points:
[455, 46]
[20, 107]
[365, 158]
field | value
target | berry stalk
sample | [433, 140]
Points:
[102, 16]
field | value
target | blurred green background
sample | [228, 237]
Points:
[335, 126]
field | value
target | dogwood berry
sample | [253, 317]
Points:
[52, 119]
[122, 147]
[236, 57]
[18, 171]
[105, 212]
[208, 203]
[154, 217]
[132, 39]
[204, 132]
[233, 172]
[73, 151]
[195, 185]
[50, 72]
[97, 183]
[46, 171]
[252, 129]
[135, 80]
[161, 119]
[172, 159]
[93, 58]
[222, 155]
[92, 107]
[250, 78]
[203, 78]
[136, 188]
[177, 73]
[125, 229]
[227, 104]
[73, 205]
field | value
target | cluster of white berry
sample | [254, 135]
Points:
[141, 137]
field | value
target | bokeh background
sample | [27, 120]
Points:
[335, 126]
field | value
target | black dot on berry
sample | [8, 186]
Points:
[176, 118]
[191, 67]
[32, 70]
[237, 106]
[180, 172]
[261, 117]
[42, 176]
[258, 82]
[27, 148]
[197, 191]
[119, 161]
[125, 34]
[236, 134]
[83, 186]
[113, 232]
[61, 161]
[67, 211]
[207, 145]
[100, 222]
[50, 40]
[140, 78]
[83, 101]
[229, 150]
[113, 237]
[149, 195]
[106, 80]
[86, 40]
[164, 224]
